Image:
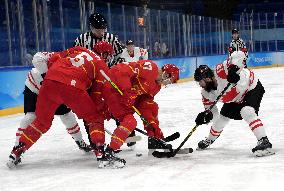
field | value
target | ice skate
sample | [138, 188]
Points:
[263, 148]
[108, 159]
[15, 156]
[204, 144]
[83, 146]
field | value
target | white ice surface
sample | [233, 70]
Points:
[55, 163]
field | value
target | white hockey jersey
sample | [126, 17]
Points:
[138, 53]
[34, 78]
[236, 93]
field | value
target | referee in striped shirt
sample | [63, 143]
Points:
[237, 44]
[98, 26]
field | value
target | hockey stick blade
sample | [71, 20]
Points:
[172, 137]
[159, 154]
[133, 139]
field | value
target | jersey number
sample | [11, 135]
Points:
[147, 66]
[79, 59]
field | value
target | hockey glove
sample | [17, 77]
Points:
[231, 49]
[204, 117]
[233, 76]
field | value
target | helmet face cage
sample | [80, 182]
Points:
[108, 58]
[166, 78]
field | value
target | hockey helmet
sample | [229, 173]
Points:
[97, 21]
[172, 70]
[104, 50]
[129, 42]
[235, 31]
[203, 71]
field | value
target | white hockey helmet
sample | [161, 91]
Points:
[238, 58]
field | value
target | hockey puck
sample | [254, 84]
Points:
[138, 154]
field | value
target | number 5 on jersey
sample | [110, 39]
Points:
[79, 59]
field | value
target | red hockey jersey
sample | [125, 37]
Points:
[77, 66]
[136, 77]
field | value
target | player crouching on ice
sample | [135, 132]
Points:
[32, 86]
[241, 100]
[66, 82]
[139, 82]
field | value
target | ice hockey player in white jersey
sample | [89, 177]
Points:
[32, 86]
[132, 53]
[241, 100]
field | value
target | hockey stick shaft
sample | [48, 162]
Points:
[195, 127]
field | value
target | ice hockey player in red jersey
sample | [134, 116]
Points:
[140, 82]
[32, 86]
[241, 100]
[66, 82]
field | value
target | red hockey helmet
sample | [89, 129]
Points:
[103, 47]
[104, 50]
[172, 70]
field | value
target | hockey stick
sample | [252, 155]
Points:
[175, 151]
[161, 141]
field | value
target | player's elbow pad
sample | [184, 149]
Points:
[40, 62]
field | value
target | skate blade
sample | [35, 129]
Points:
[199, 149]
[10, 164]
[110, 165]
[262, 153]
[103, 164]
[117, 164]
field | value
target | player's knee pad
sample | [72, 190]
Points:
[248, 113]
[28, 119]
[68, 119]
[220, 123]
